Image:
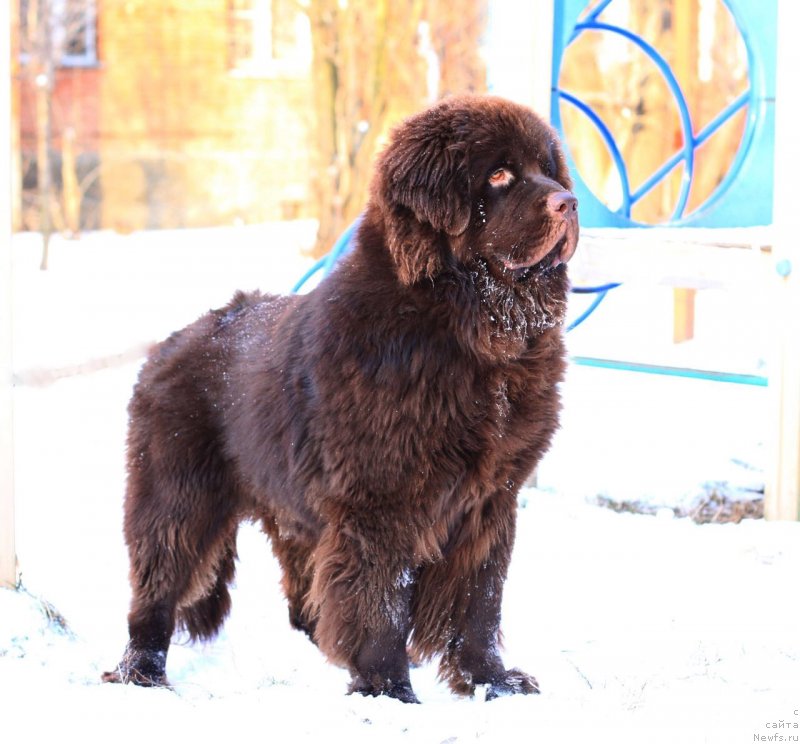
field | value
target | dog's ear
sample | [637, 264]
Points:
[427, 173]
[422, 187]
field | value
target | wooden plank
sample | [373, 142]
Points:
[783, 481]
[694, 258]
[8, 568]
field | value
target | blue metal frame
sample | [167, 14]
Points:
[737, 378]
[747, 187]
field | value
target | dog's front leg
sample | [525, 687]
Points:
[456, 608]
[472, 656]
[360, 596]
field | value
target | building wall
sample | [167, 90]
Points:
[174, 137]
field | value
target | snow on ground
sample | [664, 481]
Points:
[639, 628]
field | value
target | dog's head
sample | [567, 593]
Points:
[476, 178]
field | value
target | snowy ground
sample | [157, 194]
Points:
[639, 628]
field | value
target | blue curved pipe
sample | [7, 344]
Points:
[592, 15]
[598, 288]
[318, 266]
[589, 310]
[328, 261]
[611, 144]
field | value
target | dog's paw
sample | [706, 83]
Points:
[401, 691]
[512, 682]
[142, 668]
[114, 677]
[135, 677]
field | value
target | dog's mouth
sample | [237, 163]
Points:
[520, 271]
[555, 259]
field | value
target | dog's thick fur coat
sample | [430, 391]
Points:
[378, 428]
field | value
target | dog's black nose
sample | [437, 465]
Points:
[561, 203]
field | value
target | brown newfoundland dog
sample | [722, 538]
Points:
[378, 428]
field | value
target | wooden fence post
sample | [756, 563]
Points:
[8, 563]
[783, 482]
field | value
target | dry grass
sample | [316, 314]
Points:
[716, 505]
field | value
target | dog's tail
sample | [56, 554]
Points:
[204, 618]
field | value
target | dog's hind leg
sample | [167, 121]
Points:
[294, 556]
[204, 617]
[181, 545]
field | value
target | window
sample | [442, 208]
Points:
[268, 37]
[73, 37]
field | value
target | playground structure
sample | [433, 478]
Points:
[709, 247]
[759, 260]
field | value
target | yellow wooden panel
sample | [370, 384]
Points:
[683, 304]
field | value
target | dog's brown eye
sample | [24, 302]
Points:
[501, 177]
